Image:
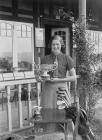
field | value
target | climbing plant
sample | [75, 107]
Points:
[85, 61]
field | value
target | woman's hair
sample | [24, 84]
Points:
[56, 37]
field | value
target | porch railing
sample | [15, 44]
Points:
[7, 81]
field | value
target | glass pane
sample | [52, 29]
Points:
[5, 54]
[18, 33]
[64, 42]
[28, 34]
[24, 49]
[3, 32]
[18, 27]
[23, 27]
[3, 25]
[59, 32]
[64, 33]
[55, 33]
[24, 34]
[9, 26]
[64, 37]
[28, 29]
[24, 54]
[9, 33]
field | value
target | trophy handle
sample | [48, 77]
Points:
[54, 66]
[37, 66]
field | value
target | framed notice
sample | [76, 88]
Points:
[39, 37]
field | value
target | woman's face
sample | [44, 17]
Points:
[56, 47]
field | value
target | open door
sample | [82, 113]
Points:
[65, 34]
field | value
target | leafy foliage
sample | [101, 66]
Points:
[85, 60]
[82, 53]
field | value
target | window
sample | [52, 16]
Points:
[16, 49]
[95, 38]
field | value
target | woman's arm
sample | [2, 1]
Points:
[72, 72]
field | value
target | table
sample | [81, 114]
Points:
[51, 116]
[54, 116]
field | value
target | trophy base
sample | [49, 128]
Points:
[45, 77]
[37, 117]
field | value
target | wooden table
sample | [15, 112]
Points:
[51, 116]
[54, 116]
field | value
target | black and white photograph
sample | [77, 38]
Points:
[50, 69]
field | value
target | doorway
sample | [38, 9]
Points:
[64, 32]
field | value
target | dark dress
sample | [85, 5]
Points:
[48, 94]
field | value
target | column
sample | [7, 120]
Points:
[38, 93]
[20, 107]
[9, 117]
[82, 15]
[82, 10]
[29, 102]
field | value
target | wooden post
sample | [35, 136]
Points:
[38, 93]
[29, 102]
[82, 10]
[38, 83]
[82, 15]
[69, 130]
[9, 116]
[20, 107]
[2, 101]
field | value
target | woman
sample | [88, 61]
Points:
[65, 64]
[51, 89]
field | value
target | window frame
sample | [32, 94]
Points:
[13, 36]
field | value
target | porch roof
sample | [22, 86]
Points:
[29, 7]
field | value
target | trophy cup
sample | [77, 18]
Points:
[37, 112]
[44, 70]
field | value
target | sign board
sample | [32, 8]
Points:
[39, 37]
[8, 76]
[29, 74]
[18, 75]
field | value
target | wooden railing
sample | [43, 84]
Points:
[7, 80]
[18, 79]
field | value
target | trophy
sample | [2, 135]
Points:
[37, 112]
[45, 70]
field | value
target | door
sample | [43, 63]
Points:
[65, 34]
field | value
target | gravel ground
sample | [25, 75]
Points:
[97, 123]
